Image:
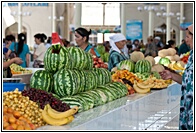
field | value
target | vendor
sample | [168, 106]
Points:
[117, 42]
[82, 38]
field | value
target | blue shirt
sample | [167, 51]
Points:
[23, 54]
[88, 48]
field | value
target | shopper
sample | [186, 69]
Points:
[82, 38]
[171, 44]
[186, 102]
[151, 48]
[184, 48]
[117, 42]
[40, 50]
[159, 44]
[20, 49]
[6, 66]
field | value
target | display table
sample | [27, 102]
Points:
[134, 112]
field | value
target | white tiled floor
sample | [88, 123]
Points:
[157, 110]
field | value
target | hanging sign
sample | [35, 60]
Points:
[134, 29]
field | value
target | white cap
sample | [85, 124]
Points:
[157, 38]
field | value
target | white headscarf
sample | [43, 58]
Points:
[116, 38]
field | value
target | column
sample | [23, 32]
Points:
[78, 14]
[53, 17]
[168, 23]
[181, 19]
[19, 18]
[150, 22]
[67, 31]
[122, 19]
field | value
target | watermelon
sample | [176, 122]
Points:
[56, 61]
[91, 80]
[142, 66]
[106, 57]
[42, 79]
[97, 97]
[66, 83]
[101, 49]
[79, 58]
[56, 41]
[73, 101]
[127, 65]
[89, 98]
[89, 65]
[164, 61]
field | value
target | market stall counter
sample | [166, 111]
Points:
[151, 111]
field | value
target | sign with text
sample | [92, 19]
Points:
[25, 4]
[134, 29]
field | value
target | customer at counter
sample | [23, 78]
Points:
[186, 102]
[117, 42]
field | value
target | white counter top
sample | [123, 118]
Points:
[134, 112]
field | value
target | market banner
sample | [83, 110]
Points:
[134, 29]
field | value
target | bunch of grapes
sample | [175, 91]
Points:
[43, 97]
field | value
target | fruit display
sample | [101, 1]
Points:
[151, 60]
[99, 63]
[95, 97]
[42, 98]
[142, 66]
[16, 69]
[42, 79]
[29, 109]
[56, 118]
[75, 81]
[104, 55]
[126, 64]
[14, 120]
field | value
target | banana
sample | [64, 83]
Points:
[58, 115]
[55, 122]
[180, 66]
[139, 90]
[142, 86]
[176, 67]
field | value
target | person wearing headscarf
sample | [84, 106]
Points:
[20, 49]
[186, 101]
[117, 42]
[82, 40]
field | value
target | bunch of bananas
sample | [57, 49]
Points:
[142, 87]
[176, 67]
[55, 118]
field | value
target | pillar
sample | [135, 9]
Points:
[150, 22]
[19, 18]
[181, 19]
[78, 14]
[123, 19]
[53, 17]
[168, 22]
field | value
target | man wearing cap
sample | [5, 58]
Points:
[186, 101]
[117, 42]
[159, 44]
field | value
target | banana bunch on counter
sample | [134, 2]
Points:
[143, 87]
[176, 67]
[56, 118]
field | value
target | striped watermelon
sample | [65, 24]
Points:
[104, 76]
[89, 65]
[142, 66]
[65, 83]
[42, 79]
[56, 61]
[91, 80]
[56, 41]
[79, 58]
[126, 64]
[89, 98]
[73, 101]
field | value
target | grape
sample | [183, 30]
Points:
[42, 98]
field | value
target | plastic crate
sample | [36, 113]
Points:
[13, 86]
